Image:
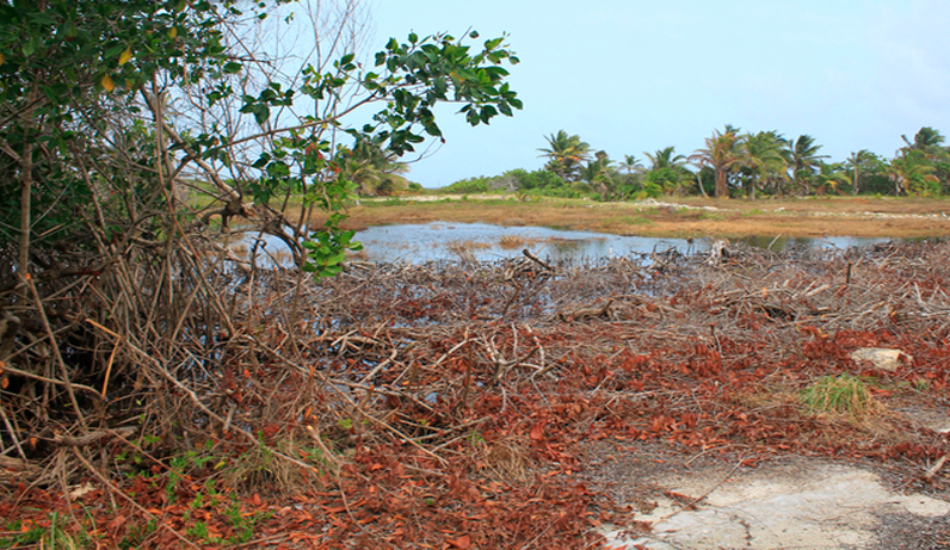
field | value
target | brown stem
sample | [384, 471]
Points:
[54, 344]
[26, 192]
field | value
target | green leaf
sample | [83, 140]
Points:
[433, 130]
[114, 51]
[30, 46]
[261, 113]
[42, 18]
[492, 44]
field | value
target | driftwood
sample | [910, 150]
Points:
[932, 471]
[717, 252]
[587, 313]
[537, 260]
[92, 437]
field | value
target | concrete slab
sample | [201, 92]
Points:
[798, 505]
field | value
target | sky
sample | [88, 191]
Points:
[635, 76]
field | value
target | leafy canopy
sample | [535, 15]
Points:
[92, 83]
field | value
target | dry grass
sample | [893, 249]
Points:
[258, 467]
[510, 242]
[508, 458]
[845, 216]
[459, 247]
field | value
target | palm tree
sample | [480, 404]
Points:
[928, 143]
[631, 165]
[566, 153]
[631, 170]
[912, 172]
[830, 175]
[664, 158]
[722, 155]
[667, 170]
[926, 139]
[803, 159]
[599, 174]
[373, 170]
[762, 160]
[856, 163]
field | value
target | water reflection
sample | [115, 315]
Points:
[485, 242]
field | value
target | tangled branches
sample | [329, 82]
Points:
[206, 353]
[269, 379]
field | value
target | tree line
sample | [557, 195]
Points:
[730, 164]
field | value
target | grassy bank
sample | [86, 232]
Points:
[676, 217]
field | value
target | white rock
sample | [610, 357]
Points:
[880, 358]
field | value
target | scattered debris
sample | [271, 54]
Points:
[447, 405]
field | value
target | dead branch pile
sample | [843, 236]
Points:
[401, 371]
[140, 353]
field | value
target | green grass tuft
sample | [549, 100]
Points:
[843, 394]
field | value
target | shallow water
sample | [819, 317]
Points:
[419, 243]
[485, 242]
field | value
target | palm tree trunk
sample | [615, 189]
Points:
[722, 187]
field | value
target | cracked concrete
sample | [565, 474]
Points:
[801, 505]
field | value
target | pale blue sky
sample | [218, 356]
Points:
[634, 76]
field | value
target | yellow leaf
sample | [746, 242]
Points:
[107, 83]
[2, 59]
[126, 56]
[173, 32]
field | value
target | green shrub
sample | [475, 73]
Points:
[539, 179]
[470, 185]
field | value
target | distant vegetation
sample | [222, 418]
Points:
[731, 164]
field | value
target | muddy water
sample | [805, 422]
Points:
[484, 242]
